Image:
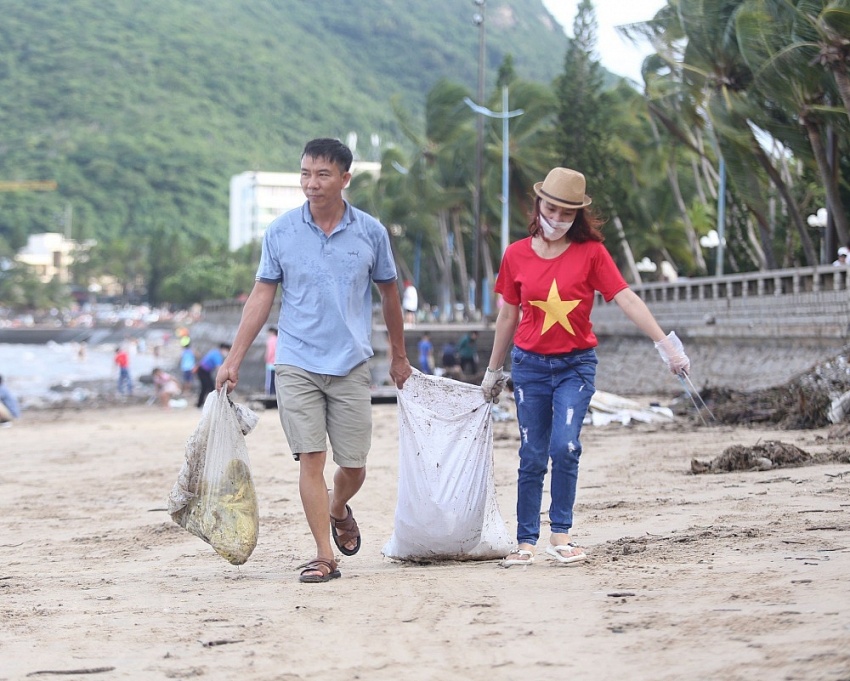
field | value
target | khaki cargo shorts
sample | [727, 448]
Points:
[315, 408]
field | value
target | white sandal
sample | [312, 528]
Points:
[555, 552]
[507, 561]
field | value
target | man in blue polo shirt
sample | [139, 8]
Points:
[325, 255]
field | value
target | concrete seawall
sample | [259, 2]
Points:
[744, 332]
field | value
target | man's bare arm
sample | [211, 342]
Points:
[255, 314]
[400, 369]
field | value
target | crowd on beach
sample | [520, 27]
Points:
[151, 366]
[173, 389]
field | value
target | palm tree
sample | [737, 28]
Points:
[437, 184]
[789, 79]
[824, 27]
[700, 69]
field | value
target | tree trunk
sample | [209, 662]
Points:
[698, 181]
[830, 185]
[673, 179]
[460, 259]
[627, 250]
[754, 244]
[443, 258]
[842, 80]
[690, 232]
[791, 204]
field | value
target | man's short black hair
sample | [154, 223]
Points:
[331, 150]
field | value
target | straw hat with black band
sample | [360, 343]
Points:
[563, 187]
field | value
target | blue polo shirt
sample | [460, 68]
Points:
[325, 323]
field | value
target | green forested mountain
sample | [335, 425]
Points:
[142, 111]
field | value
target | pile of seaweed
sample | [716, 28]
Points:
[765, 456]
[802, 403]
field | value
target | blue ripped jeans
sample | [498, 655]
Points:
[552, 394]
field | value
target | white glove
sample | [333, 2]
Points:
[491, 386]
[673, 353]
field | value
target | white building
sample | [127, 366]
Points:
[257, 198]
[50, 255]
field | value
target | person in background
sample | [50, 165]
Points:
[10, 409]
[206, 369]
[843, 252]
[326, 255]
[410, 302]
[271, 349]
[122, 361]
[449, 357]
[468, 353]
[548, 281]
[426, 354]
[187, 363]
[166, 387]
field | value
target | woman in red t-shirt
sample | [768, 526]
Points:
[547, 282]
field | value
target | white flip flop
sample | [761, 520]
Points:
[507, 561]
[555, 552]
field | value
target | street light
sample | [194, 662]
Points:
[505, 116]
[820, 220]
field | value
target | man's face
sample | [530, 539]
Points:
[322, 181]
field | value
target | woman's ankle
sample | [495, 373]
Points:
[560, 538]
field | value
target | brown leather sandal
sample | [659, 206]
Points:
[344, 531]
[326, 570]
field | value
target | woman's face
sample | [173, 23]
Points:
[555, 214]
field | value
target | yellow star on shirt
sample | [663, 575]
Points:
[556, 310]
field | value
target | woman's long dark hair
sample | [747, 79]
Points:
[585, 228]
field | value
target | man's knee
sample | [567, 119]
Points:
[312, 463]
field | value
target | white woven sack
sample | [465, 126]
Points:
[446, 507]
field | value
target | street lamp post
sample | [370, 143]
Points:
[721, 217]
[478, 20]
[505, 116]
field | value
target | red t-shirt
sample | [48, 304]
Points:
[556, 296]
[122, 359]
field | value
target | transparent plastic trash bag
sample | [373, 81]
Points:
[214, 496]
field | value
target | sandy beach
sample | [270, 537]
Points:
[718, 576]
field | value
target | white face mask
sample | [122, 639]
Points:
[552, 231]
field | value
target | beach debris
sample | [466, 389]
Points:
[225, 514]
[214, 496]
[760, 457]
[71, 672]
[220, 642]
[814, 399]
[608, 408]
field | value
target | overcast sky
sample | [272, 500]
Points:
[616, 53]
